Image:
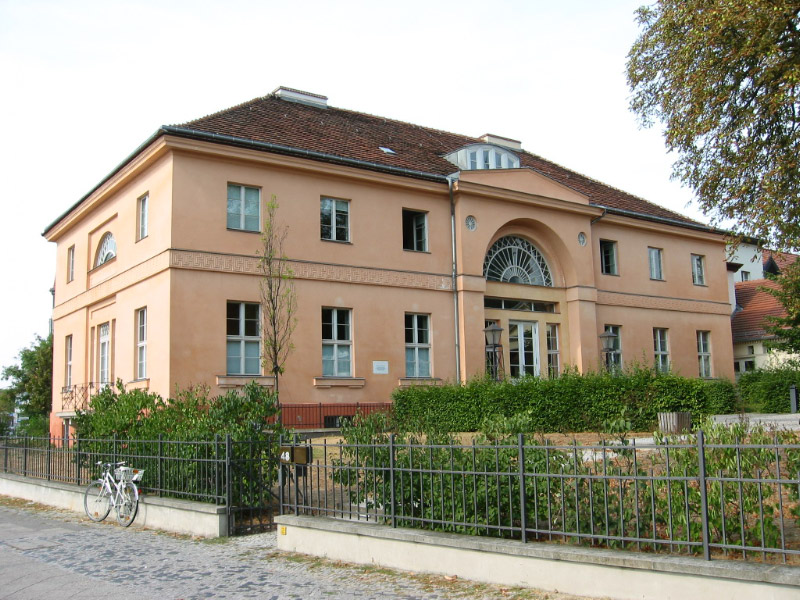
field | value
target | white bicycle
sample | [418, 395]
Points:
[119, 491]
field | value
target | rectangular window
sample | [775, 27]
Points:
[523, 348]
[141, 216]
[608, 257]
[745, 275]
[661, 350]
[243, 339]
[104, 354]
[418, 346]
[141, 343]
[334, 220]
[698, 269]
[70, 263]
[614, 357]
[415, 230]
[336, 342]
[486, 164]
[68, 361]
[473, 161]
[553, 362]
[656, 271]
[704, 353]
[498, 160]
[244, 208]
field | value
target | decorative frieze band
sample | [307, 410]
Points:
[235, 263]
[662, 303]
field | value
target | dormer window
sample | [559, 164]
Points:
[483, 156]
[106, 250]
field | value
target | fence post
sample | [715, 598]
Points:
[49, 445]
[280, 475]
[160, 461]
[793, 398]
[25, 456]
[228, 482]
[78, 459]
[296, 480]
[216, 468]
[391, 479]
[701, 455]
[321, 417]
[523, 511]
[114, 449]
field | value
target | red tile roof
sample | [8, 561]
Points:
[358, 136]
[748, 323]
[782, 259]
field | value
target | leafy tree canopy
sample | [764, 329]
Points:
[723, 76]
[786, 329]
[31, 380]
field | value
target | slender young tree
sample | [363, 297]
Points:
[278, 296]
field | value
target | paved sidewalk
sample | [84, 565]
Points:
[53, 554]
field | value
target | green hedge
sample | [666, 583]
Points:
[767, 390]
[572, 402]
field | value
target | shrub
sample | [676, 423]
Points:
[571, 402]
[767, 390]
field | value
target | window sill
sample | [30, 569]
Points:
[138, 384]
[699, 284]
[243, 230]
[345, 242]
[610, 274]
[329, 382]
[416, 251]
[234, 381]
[405, 382]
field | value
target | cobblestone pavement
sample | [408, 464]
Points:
[49, 553]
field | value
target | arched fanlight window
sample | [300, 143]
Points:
[514, 260]
[106, 250]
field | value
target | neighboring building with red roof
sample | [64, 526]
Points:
[405, 243]
[753, 307]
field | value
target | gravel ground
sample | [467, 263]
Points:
[46, 553]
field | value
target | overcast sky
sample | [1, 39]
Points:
[83, 83]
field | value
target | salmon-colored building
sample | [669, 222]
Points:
[405, 242]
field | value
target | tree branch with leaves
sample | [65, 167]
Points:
[278, 295]
[723, 77]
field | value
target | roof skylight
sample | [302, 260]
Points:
[386, 150]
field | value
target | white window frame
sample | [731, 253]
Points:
[418, 346]
[614, 357]
[655, 257]
[529, 331]
[141, 343]
[698, 269]
[142, 205]
[418, 221]
[704, 353]
[553, 351]
[241, 338]
[745, 276]
[104, 354]
[661, 349]
[339, 345]
[336, 207]
[242, 208]
[107, 250]
[71, 263]
[610, 267]
[68, 361]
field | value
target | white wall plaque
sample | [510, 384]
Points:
[380, 367]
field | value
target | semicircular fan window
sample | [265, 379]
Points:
[107, 250]
[512, 259]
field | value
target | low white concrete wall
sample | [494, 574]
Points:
[169, 514]
[584, 571]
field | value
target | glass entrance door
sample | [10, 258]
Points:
[523, 348]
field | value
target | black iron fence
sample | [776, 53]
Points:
[734, 500]
[241, 475]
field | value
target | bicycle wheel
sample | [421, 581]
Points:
[96, 501]
[128, 503]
